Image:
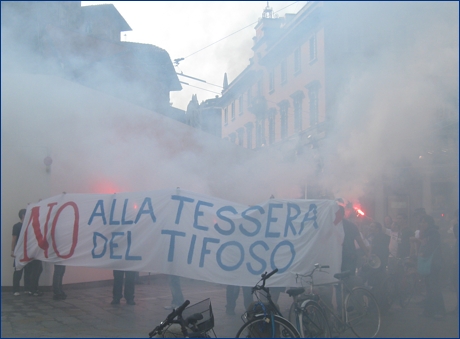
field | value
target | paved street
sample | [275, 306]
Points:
[87, 313]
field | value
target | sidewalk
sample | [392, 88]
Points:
[87, 313]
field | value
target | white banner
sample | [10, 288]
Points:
[185, 234]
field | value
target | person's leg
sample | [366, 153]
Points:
[232, 296]
[17, 275]
[37, 269]
[58, 275]
[429, 300]
[439, 308]
[247, 295]
[130, 278]
[28, 278]
[117, 286]
[275, 293]
[176, 290]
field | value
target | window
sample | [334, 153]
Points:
[271, 81]
[313, 48]
[271, 125]
[249, 127]
[297, 61]
[241, 107]
[233, 110]
[298, 97]
[313, 91]
[284, 105]
[226, 116]
[283, 71]
[313, 95]
[232, 137]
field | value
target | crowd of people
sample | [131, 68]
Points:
[433, 253]
[420, 241]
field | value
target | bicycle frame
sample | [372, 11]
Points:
[340, 324]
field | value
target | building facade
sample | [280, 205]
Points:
[339, 71]
[83, 44]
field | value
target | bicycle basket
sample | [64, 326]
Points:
[203, 307]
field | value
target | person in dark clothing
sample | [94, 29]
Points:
[58, 275]
[455, 263]
[33, 270]
[351, 234]
[379, 242]
[232, 295]
[379, 246]
[17, 275]
[430, 246]
[127, 279]
[176, 292]
[405, 234]
[349, 252]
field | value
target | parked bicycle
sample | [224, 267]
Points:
[196, 321]
[307, 314]
[399, 284]
[357, 310]
[264, 319]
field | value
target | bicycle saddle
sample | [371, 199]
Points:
[295, 291]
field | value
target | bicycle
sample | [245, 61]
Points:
[265, 319]
[400, 283]
[307, 314]
[358, 311]
[196, 321]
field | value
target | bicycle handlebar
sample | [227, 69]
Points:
[176, 312]
[265, 276]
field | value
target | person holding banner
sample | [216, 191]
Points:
[232, 295]
[127, 279]
[17, 275]
[176, 292]
[58, 274]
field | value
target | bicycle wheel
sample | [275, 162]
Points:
[406, 288]
[314, 323]
[362, 313]
[268, 327]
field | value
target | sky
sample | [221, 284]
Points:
[213, 37]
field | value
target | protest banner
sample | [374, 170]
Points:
[186, 234]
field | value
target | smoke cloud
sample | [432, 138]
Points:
[99, 142]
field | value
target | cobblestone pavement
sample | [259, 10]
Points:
[87, 313]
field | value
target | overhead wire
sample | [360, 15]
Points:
[235, 32]
[251, 24]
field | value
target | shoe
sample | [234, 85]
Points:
[27, 293]
[115, 302]
[171, 307]
[16, 294]
[130, 302]
[230, 312]
[61, 296]
[38, 294]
